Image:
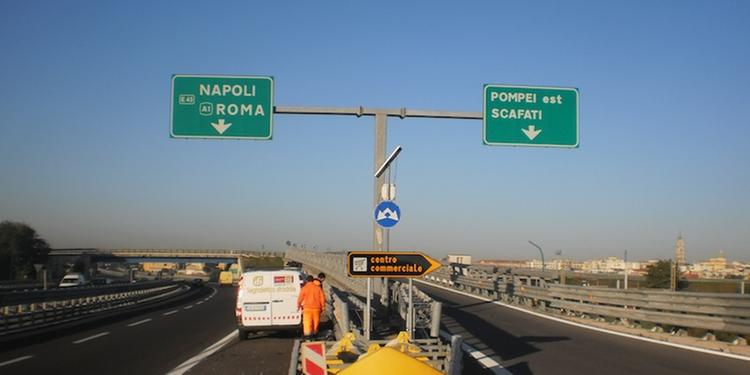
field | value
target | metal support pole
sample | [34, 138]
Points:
[378, 240]
[437, 313]
[618, 284]
[344, 317]
[44, 278]
[410, 314]
[368, 318]
[457, 354]
[742, 287]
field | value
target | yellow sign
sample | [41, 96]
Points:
[390, 264]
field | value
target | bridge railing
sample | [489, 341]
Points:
[168, 252]
[332, 264]
[713, 312]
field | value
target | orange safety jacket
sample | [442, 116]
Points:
[311, 297]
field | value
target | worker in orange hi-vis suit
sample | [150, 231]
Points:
[311, 301]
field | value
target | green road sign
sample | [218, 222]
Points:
[229, 107]
[389, 264]
[530, 116]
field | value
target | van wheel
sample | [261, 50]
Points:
[242, 334]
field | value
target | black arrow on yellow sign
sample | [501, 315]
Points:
[389, 264]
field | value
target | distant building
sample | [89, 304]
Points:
[459, 259]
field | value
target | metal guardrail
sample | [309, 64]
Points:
[36, 313]
[427, 312]
[713, 312]
[26, 297]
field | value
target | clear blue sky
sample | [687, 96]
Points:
[86, 158]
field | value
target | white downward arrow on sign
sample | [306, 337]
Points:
[220, 126]
[531, 132]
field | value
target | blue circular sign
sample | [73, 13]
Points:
[387, 214]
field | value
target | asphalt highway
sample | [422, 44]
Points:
[527, 344]
[154, 342]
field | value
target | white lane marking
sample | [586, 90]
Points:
[91, 337]
[559, 320]
[19, 359]
[187, 365]
[170, 312]
[139, 322]
[199, 302]
[188, 307]
[481, 357]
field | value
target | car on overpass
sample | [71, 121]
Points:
[73, 280]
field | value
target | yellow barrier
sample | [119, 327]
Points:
[388, 361]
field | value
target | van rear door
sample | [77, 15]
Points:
[284, 299]
[255, 297]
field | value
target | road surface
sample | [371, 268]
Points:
[527, 344]
[149, 343]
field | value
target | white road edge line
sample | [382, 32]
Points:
[19, 359]
[139, 322]
[672, 344]
[187, 365]
[483, 359]
[91, 337]
[170, 312]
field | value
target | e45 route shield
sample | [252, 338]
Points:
[389, 264]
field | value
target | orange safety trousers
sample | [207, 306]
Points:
[310, 321]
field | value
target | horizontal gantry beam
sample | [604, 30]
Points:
[391, 112]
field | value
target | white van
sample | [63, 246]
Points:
[267, 301]
[74, 279]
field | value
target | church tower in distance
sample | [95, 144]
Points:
[679, 251]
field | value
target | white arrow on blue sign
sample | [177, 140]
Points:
[387, 214]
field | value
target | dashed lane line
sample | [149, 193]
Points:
[170, 312]
[188, 307]
[12, 361]
[139, 322]
[90, 338]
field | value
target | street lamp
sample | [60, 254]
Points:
[626, 269]
[540, 252]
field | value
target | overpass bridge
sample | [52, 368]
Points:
[90, 256]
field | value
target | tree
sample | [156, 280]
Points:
[20, 248]
[659, 274]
